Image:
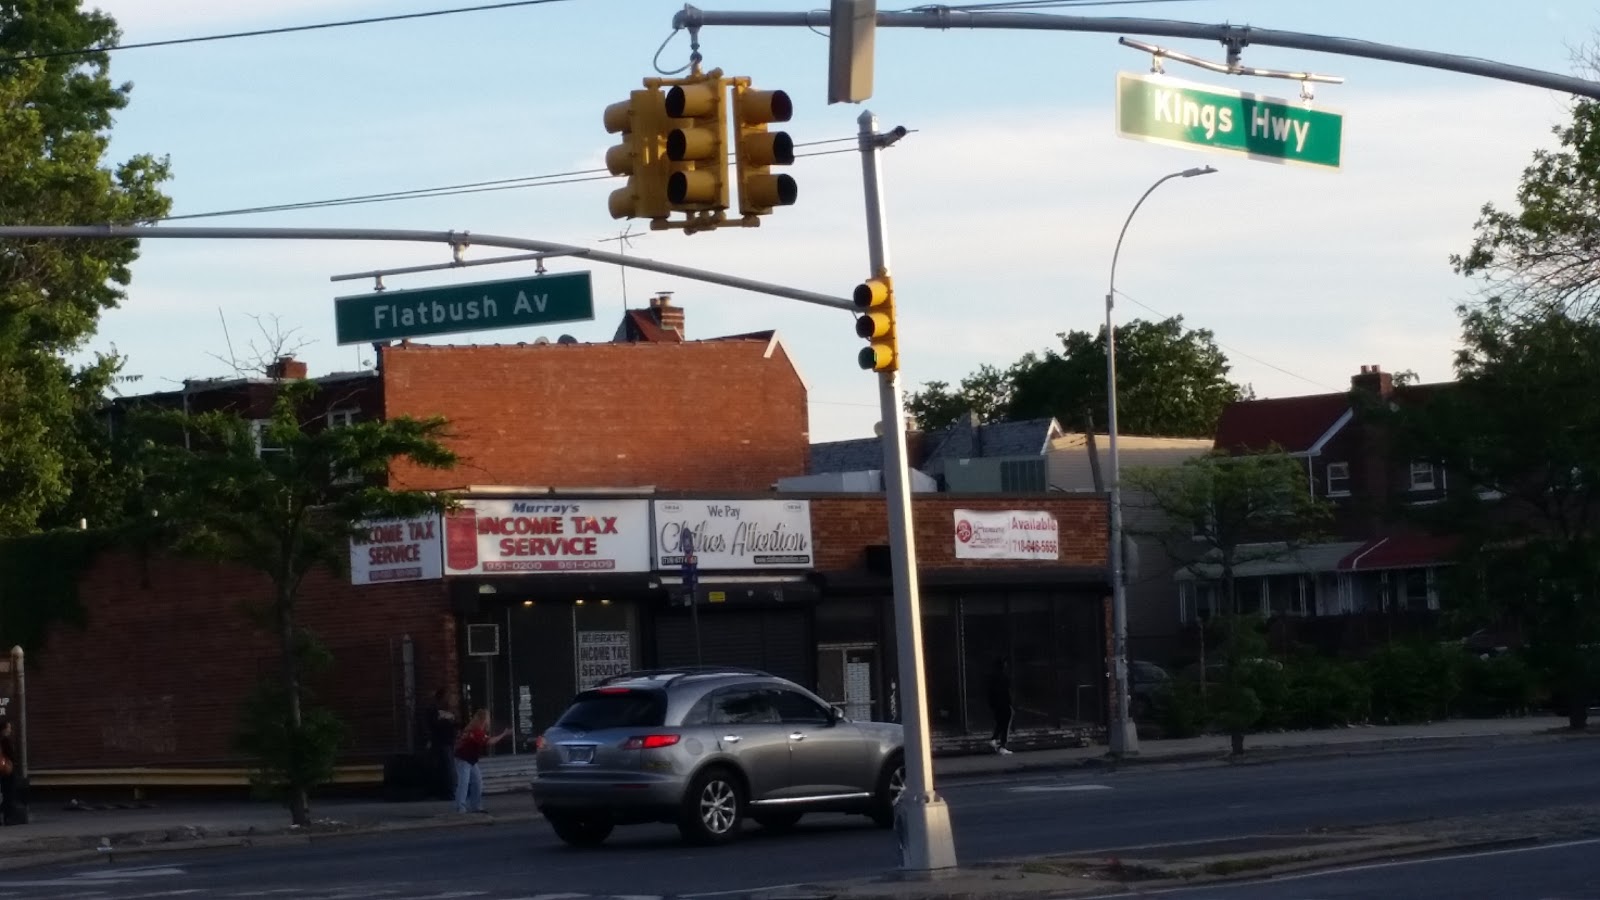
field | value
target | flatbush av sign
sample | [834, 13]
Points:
[484, 305]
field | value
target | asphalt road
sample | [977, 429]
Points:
[1564, 871]
[993, 819]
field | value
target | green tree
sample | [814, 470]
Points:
[283, 502]
[1544, 255]
[1214, 514]
[986, 392]
[55, 120]
[1171, 381]
[1519, 437]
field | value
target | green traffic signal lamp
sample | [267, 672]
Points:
[875, 297]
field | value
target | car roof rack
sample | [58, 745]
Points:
[670, 674]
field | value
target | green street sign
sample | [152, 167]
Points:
[1164, 110]
[485, 305]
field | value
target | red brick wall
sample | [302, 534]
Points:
[704, 415]
[841, 526]
[158, 676]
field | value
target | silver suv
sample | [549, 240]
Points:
[705, 748]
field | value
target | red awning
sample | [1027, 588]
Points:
[1409, 551]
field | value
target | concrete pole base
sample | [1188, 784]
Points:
[923, 827]
[1124, 741]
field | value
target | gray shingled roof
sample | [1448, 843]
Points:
[962, 440]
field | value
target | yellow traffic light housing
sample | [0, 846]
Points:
[758, 149]
[875, 298]
[643, 123]
[697, 148]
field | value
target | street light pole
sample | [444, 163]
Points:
[921, 819]
[1123, 736]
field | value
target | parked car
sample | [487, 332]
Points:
[1145, 681]
[704, 749]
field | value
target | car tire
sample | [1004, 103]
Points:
[777, 822]
[580, 830]
[891, 784]
[713, 807]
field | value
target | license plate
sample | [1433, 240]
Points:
[580, 755]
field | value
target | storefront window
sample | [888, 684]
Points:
[1037, 675]
[942, 662]
[985, 638]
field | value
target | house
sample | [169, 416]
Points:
[968, 456]
[1369, 562]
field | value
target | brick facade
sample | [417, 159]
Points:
[844, 525]
[726, 414]
[170, 653]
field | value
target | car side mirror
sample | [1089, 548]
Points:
[835, 715]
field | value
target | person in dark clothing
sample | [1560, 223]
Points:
[1000, 705]
[439, 741]
[10, 803]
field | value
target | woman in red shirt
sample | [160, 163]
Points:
[474, 742]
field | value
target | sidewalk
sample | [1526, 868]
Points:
[56, 833]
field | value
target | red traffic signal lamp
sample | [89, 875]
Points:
[643, 123]
[697, 148]
[875, 298]
[758, 149]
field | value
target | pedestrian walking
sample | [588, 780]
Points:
[10, 803]
[439, 730]
[473, 744]
[1000, 706]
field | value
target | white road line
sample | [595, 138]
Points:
[1365, 867]
[769, 887]
[1058, 788]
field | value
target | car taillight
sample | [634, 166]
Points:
[650, 742]
[538, 742]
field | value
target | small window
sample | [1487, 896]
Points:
[608, 708]
[743, 706]
[342, 418]
[1338, 479]
[1422, 476]
[259, 429]
[797, 709]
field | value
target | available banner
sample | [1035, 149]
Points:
[396, 550]
[735, 534]
[1014, 534]
[508, 537]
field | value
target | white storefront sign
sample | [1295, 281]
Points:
[735, 534]
[396, 550]
[1013, 534]
[509, 537]
[602, 654]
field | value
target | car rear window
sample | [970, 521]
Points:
[614, 708]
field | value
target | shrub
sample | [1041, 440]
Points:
[1413, 683]
[1324, 693]
[1179, 709]
[1497, 686]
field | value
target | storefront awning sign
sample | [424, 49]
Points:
[396, 550]
[734, 534]
[512, 537]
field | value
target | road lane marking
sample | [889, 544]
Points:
[1058, 788]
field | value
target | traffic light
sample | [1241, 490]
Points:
[643, 123]
[759, 149]
[698, 147]
[875, 297]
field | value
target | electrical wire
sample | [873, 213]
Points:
[287, 29]
[474, 187]
[1236, 351]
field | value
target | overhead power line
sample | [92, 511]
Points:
[287, 29]
[474, 187]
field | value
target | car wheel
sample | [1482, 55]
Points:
[713, 807]
[580, 830]
[891, 784]
[777, 821]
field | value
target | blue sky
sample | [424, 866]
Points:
[1003, 207]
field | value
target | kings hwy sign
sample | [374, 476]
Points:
[1163, 110]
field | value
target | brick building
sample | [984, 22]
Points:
[523, 604]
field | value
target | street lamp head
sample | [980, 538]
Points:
[1201, 170]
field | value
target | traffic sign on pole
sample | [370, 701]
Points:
[1163, 110]
[485, 305]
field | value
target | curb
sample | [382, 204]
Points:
[20, 858]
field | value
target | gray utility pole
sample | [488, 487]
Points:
[922, 820]
[452, 238]
[1123, 735]
[1234, 37]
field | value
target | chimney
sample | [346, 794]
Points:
[665, 314]
[286, 368]
[1373, 380]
